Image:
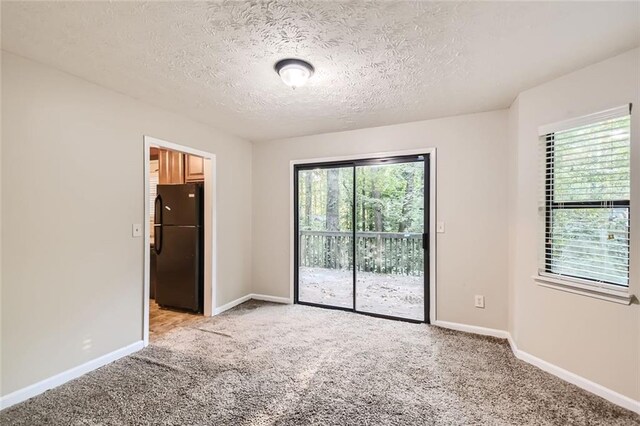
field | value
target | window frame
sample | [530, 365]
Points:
[551, 205]
[546, 277]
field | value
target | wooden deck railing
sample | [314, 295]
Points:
[382, 252]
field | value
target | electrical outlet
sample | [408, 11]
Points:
[479, 301]
[136, 230]
[440, 228]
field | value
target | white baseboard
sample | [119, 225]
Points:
[254, 296]
[231, 304]
[581, 382]
[568, 376]
[267, 298]
[472, 329]
[73, 373]
[61, 378]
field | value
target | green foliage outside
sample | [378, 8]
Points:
[389, 214]
[389, 198]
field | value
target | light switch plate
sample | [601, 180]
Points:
[136, 230]
[440, 227]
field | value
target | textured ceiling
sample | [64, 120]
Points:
[376, 63]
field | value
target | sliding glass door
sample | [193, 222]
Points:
[360, 236]
[325, 236]
[389, 230]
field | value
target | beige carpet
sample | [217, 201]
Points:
[263, 364]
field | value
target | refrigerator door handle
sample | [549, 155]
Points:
[157, 220]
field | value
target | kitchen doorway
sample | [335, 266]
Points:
[362, 236]
[179, 255]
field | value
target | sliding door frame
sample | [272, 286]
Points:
[429, 158]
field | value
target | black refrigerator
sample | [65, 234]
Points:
[179, 246]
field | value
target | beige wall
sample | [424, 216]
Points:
[596, 339]
[512, 187]
[471, 199]
[72, 176]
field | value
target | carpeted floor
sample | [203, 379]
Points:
[263, 364]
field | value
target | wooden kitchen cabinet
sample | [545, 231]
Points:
[171, 167]
[194, 168]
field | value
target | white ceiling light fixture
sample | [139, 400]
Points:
[294, 72]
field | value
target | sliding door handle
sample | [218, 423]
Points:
[425, 241]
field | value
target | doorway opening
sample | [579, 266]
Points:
[362, 236]
[179, 274]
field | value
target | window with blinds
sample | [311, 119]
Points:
[586, 198]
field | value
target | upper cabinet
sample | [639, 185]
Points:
[194, 168]
[176, 167]
[171, 166]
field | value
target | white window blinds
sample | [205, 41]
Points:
[586, 196]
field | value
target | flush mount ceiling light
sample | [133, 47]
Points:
[294, 72]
